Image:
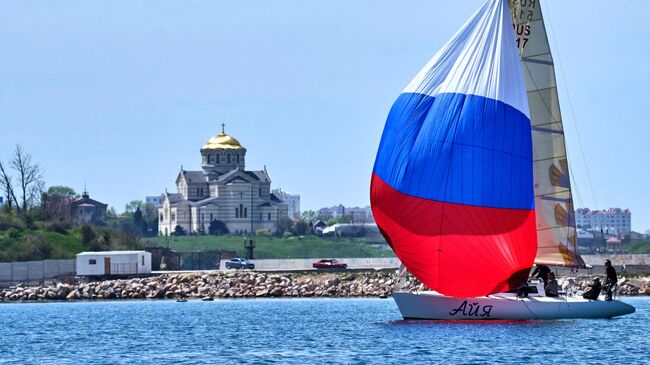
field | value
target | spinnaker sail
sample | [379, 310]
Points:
[556, 233]
[452, 185]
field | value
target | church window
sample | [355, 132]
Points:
[236, 212]
[217, 158]
[198, 191]
[162, 218]
[260, 192]
[208, 158]
[241, 210]
[269, 216]
[173, 216]
[245, 212]
[210, 217]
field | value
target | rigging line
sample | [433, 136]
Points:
[577, 190]
[575, 124]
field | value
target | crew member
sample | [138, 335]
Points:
[611, 280]
[593, 291]
[541, 272]
[551, 288]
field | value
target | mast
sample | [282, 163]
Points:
[555, 216]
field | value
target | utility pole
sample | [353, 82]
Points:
[249, 243]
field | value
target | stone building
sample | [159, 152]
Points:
[222, 191]
[86, 210]
[613, 220]
[292, 200]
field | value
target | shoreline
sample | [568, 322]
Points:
[251, 284]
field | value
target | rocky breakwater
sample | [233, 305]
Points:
[212, 286]
[626, 287]
[247, 284]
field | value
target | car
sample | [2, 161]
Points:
[239, 263]
[329, 264]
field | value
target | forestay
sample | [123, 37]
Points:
[556, 234]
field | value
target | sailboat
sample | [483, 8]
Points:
[471, 184]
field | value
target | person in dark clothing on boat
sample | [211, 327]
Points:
[552, 288]
[541, 272]
[611, 280]
[593, 291]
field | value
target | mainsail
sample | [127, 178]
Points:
[556, 233]
[452, 185]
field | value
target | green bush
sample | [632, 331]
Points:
[9, 220]
[217, 228]
[57, 227]
[87, 234]
[13, 233]
[36, 248]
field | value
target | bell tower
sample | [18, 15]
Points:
[222, 153]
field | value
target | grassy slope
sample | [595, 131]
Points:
[640, 247]
[279, 248]
[15, 246]
[19, 245]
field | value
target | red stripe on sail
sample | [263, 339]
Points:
[457, 250]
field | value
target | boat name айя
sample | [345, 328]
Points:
[472, 309]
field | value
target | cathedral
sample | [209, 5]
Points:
[224, 191]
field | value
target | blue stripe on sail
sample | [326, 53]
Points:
[458, 148]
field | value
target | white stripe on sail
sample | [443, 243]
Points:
[497, 76]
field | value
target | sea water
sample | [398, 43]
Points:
[301, 331]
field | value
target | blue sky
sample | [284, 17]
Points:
[119, 94]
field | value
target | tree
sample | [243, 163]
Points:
[179, 231]
[308, 215]
[54, 202]
[29, 181]
[344, 219]
[150, 216]
[6, 185]
[30, 178]
[62, 191]
[111, 213]
[132, 206]
[138, 220]
[217, 228]
[87, 234]
[284, 224]
[300, 228]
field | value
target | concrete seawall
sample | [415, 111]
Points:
[636, 263]
[34, 271]
[306, 264]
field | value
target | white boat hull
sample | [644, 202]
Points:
[431, 305]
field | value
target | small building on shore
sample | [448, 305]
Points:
[107, 263]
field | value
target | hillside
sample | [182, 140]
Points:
[280, 248]
[27, 245]
[640, 247]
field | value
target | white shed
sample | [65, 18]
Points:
[113, 263]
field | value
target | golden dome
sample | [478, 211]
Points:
[222, 142]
